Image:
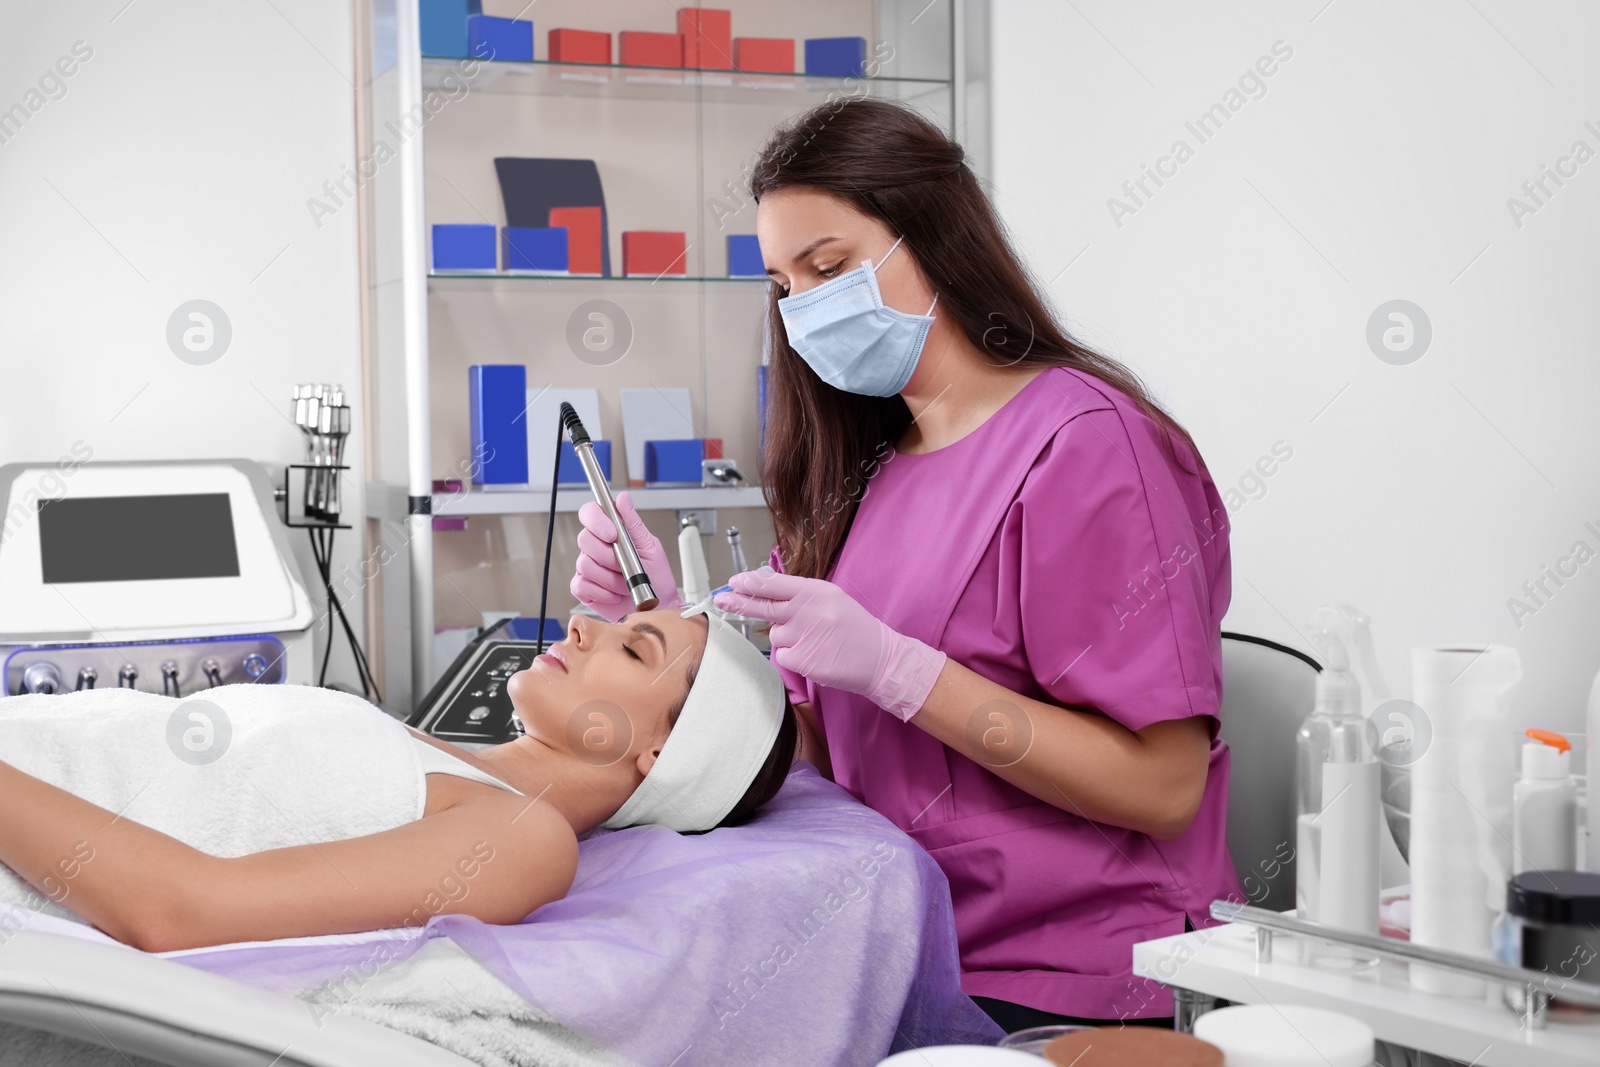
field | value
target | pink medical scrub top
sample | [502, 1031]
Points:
[1058, 551]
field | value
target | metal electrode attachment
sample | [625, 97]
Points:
[644, 596]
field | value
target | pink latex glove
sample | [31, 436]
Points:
[819, 631]
[598, 583]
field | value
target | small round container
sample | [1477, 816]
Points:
[1035, 1038]
[1288, 1035]
[1549, 926]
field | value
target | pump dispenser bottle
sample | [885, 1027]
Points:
[1337, 784]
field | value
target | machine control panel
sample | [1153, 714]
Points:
[470, 704]
[174, 668]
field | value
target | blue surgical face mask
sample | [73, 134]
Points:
[843, 331]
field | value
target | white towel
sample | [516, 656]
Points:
[441, 994]
[288, 765]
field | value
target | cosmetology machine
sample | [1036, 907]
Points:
[167, 577]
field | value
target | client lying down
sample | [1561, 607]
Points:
[662, 718]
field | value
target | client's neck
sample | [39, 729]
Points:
[575, 790]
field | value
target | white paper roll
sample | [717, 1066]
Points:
[1348, 894]
[1460, 803]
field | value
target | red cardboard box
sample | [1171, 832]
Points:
[654, 252]
[764, 55]
[650, 49]
[583, 237]
[707, 37]
[580, 46]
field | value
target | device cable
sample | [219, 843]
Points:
[550, 531]
[325, 564]
[369, 681]
[322, 551]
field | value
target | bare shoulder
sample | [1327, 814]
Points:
[527, 822]
[539, 816]
[541, 830]
[526, 850]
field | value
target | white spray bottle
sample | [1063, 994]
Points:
[1337, 783]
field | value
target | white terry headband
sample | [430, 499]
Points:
[722, 737]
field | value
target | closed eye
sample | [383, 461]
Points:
[829, 272]
[629, 650]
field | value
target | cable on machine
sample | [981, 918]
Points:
[322, 551]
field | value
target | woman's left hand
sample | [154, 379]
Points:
[819, 631]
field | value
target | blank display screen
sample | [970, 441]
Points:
[137, 538]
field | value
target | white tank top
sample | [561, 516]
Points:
[436, 760]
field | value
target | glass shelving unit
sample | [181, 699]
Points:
[713, 87]
[673, 148]
[474, 279]
[662, 498]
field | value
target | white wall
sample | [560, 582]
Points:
[174, 164]
[1377, 166]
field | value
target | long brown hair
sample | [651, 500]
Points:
[824, 444]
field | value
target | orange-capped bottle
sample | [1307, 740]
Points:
[1545, 830]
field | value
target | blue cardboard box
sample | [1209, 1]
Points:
[673, 461]
[463, 247]
[837, 57]
[444, 26]
[526, 248]
[497, 393]
[570, 472]
[500, 39]
[526, 628]
[744, 256]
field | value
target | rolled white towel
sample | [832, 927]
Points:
[231, 770]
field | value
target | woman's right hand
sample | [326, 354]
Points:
[598, 581]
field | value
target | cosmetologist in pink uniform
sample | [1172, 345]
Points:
[1000, 573]
[1059, 552]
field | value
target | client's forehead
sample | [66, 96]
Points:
[681, 635]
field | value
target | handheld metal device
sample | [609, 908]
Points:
[323, 416]
[644, 596]
[737, 548]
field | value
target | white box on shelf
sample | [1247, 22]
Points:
[653, 415]
[541, 415]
